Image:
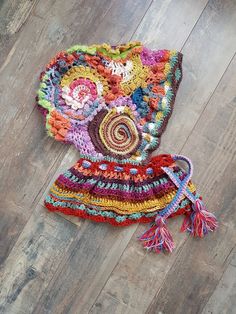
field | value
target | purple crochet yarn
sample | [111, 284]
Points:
[150, 57]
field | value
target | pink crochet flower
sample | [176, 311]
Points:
[80, 92]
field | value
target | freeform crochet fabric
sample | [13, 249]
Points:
[113, 103]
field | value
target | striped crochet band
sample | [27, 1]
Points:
[122, 194]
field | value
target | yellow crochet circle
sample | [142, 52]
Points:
[138, 76]
[84, 72]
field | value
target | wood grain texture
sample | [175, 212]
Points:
[168, 23]
[33, 260]
[76, 300]
[202, 263]
[134, 278]
[13, 16]
[207, 53]
[30, 155]
[62, 264]
[30, 160]
[223, 300]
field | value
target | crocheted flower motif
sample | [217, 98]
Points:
[110, 102]
[80, 93]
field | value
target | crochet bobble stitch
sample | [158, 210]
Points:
[119, 99]
[113, 103]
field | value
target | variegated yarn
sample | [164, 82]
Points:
[113, 103]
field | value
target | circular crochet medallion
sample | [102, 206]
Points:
[114, 132]
[79, 93]
[118, 133]
[110, 101]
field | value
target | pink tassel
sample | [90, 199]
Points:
[200, 221]
[158, 238]
[186, 222]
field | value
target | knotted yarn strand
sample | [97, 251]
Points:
[200, 222]
[158, 238]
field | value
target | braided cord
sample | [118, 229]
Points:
[182, 187]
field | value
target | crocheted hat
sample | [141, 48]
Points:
[113, 103]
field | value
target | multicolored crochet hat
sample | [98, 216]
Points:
[113, 103]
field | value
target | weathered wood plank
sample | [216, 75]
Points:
[73, 286]
[84, 271]
[13, 15]
[207, 53]
[138, 274]
[74, 297]
[223, 300]
[35, 158]
[167, 22]
[125, 13]
[201, 264]
[53, 32]
[142, 282]
[33, 260]
[26, 150]
[109, 305]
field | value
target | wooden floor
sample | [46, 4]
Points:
[52, 264]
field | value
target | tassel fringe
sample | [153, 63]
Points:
[158, 238]
[200, 222]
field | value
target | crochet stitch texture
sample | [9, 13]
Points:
[113, 103]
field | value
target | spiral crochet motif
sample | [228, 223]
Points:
[119, 134]
[122, 134]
